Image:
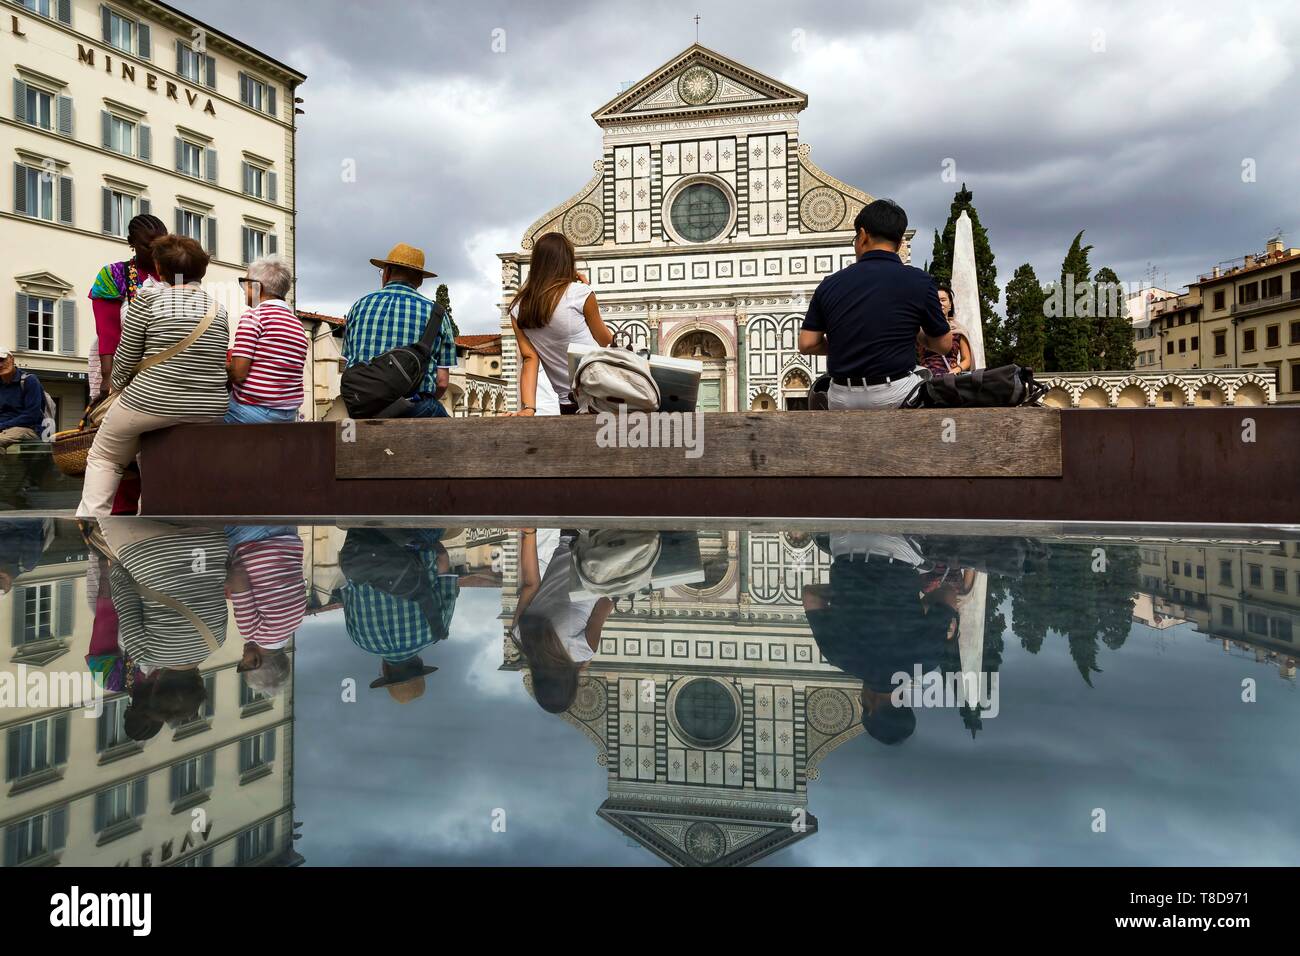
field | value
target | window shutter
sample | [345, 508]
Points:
[272, 244]
[101, 811]
[212, 237]
[59, 827]
[177, 779]
[180, 56]
[67, 589]
[146, 144]
[180, 221]
[108, 210]
[101, 729]
[145, 47]
[268, 746]
[64, 109]
[11, 845]
[244, 95]
[246, 244]
[210, 72]
[20, 190]
[145, 206]
[270, 100]
[247, 170]
[106, 21]
[106, 128]
[20, 328]
[210, 164]
[65, 200]
[60, 740]
[271, 190]
[209, 769]
[180, 154]
[64, 11]
[20, 101]
[140, 795]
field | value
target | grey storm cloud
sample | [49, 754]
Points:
[1132, 121]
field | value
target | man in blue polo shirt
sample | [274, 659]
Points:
[865, 318]
[22, 403]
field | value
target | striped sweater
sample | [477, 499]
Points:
[191, 383]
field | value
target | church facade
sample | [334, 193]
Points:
[705, 229]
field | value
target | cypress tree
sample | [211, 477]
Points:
[986, 273]
[443, 298]
[1025, 323]
[1113, 332]
[1069, 333]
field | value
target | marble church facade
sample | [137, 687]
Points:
[705, 229]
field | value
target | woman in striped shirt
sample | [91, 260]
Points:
[187, 387]
[270, 352]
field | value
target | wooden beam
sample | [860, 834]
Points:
[967, 443]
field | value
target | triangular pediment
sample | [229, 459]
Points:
[699, 82]
[44, 281]
[705, 838]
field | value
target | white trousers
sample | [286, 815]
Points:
[116, 444]
[891, 395]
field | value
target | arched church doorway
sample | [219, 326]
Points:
[705, 347]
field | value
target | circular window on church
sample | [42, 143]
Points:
[699, 212]
[704, 712]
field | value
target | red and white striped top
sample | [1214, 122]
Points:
[274, 605]
[273, 338]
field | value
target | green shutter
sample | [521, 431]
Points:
[210, 165]
[270, 99]
[271, 187]
[64, 11]
[65, 200]
[63, 107]
[144, 45]
[59, 827]
[108, 209]
[180, 156]
[272, 244]
[212, 237]
[106, 128]
[145, 206]
[67, 591]
[209, 769]
[20, 101]
[180, 55]
[210, 72]
[106, 22]
[20, 343]
[140, 795]
[20, 190]
[245, 245]
[146, 144]
[60, 740]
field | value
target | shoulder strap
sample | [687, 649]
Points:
[195, 334]
[434, 328]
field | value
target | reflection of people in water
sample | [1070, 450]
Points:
[268, 594]
[399, 599]
[22, 542]
[873, 620]
[557, 634]
[166, 586]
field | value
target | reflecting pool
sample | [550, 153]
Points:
[208, 695]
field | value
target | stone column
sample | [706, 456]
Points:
[742, 359]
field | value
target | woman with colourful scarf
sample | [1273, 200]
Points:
[115, 287]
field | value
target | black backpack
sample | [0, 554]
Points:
[379, 388]
[388, 560]
[1003, 387]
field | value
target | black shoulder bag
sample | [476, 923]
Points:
[379, 388]
[1003, 387]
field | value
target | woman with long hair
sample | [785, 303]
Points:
[554, 309]
[959, 358]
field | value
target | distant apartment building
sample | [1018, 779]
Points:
[119, 109]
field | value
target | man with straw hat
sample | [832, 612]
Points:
[396, 316]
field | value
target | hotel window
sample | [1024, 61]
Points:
[42, 194]
[1218, 301]
[38, 331]
[119, 210]
[199, 227]
[111, 740]
[36, 750]
[254, 843]
[193, 779]
[1225, 616]
[125, 136]
[195, 160]
[1220, 343]
[1256, 576]
[195, 66]
[60, 9]
[1279, 580]
[1248, 340]
[42, 108]
[259, 182]
[202, 720]
[1272, 336]
[255, 755]
[250, 699]
[118, 809]
[257, 243]
[36, 838]
[124, 33]
[255, 93]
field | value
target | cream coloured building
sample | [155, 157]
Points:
[117, 109]
[705, 229]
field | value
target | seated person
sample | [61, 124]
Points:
[865, 318]
[22, 403]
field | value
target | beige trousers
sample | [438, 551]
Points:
[116, 444]
[12, 436]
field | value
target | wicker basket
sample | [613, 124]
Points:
[71, 448]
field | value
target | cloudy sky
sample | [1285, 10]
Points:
[1163, 129]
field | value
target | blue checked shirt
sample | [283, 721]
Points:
[393, 628]
[394, 316]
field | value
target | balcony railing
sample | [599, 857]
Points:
[1271, 302]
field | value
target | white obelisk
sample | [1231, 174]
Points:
[970, 637]
[965, 289]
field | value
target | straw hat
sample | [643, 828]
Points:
[407, 257]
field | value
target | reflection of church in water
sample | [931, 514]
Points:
[705, 229]
[710, 705]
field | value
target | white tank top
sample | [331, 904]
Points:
[568, 326]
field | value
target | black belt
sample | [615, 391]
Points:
[869, 380]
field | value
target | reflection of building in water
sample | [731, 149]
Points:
[1246, 597]
[214, 791]
[711, 705]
